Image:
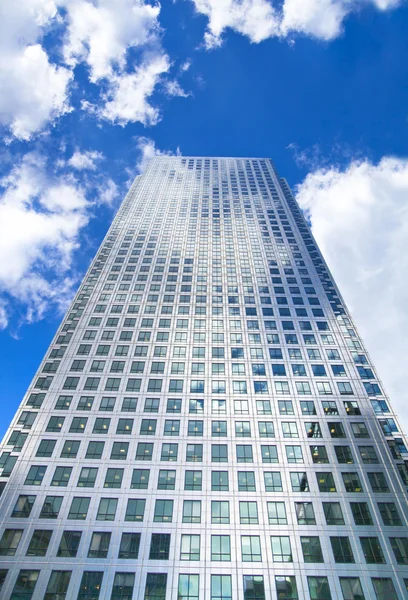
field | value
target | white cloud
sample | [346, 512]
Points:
[360, 220]
[85, 160]
[256, 19]
[322, 19]
[147, 150]
[128, 97]
[119, 41]
[107, 192]
[260, 19]
[386, 4]
[3, 316]
[174, 89]
[186, 66]
[100, 33]
[40, 220]
[34, 91]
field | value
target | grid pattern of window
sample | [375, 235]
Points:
[206, 404]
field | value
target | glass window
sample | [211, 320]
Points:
[319, 455]
[389, 514]
[281, 549]
[160, 546]
[61, 476]
[193, 480]
[220, 511]
[352, 482]
[266, 429]
[361, 513]
[305, 513]
[169, 452]
[144, 451]
[87, 477]
[194, 453]
[35, 475]
[246, 481]
[79, 508]
[384, 588]
[351, 588]
[312, 551]
[107, 509]
[192, 511]
[254, 588]
[58, 585]
[286, 588]
[45, 449]
[273, 481]
[123, 585]
[166, 480]
[244, 453]
[319, 588]
[91, 584]
[188, 587]
[190, 547]
[220, 548]
[251, 548]
[277, 513]
[344, 455]
[378, 482]
[23, 506]
[25, 585]
[135, 509]
[299, 482]
[333, 513]
[342, 551]
[325, 481]
[221, 587]
[219, 428]
[69, 544]
[95, 450]
[51, 507]
[372, 550]
[163, 511]
[294, 454]
[399, 546]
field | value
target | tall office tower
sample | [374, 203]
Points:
[206, 424]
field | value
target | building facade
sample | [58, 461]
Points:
[206, 423]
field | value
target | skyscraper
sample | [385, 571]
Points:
[206, 424]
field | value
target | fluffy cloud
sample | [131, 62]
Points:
[34, 91]
[119, 41]
[101, 33]
[256, 19]
[360, 220]
[85, 160]
[322, 19]
[128, 97]
[260, 20]
[40, 219]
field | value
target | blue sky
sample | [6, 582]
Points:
[92, 89]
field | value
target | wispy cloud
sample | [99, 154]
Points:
[146, 148]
